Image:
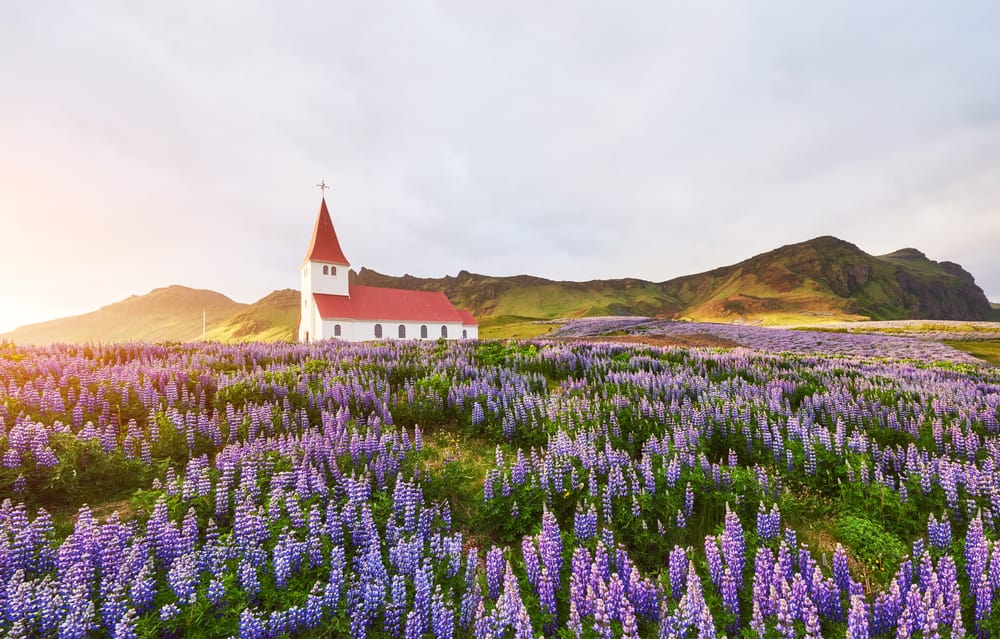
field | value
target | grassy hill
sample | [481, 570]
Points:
[816, 281]
[819, 280]
[827, 278]
[271, 319]
[173, 313]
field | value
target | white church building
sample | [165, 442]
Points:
[332, 308]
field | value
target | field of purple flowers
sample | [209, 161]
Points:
[585, 490]
[776, 340]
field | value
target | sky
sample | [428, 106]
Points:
[144, 144]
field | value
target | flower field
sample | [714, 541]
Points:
[920, 345]
[496, 489]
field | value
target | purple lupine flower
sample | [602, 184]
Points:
[677, 563]
[976, 550]
[811, 619]
[785, 622]
[714, 559]
[393, 619]
[531, 564]
[250, 626]
[939, 533]
[768, 523]
[550, 544]
[734, 547]
[443, 619]
[494, 572]
[984, 600]
[857, 619]
[841, 572]
[731, 596]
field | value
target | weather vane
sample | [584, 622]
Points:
[323, 187]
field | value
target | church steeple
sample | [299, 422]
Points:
[324, 246]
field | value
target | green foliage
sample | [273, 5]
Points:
[878, 550]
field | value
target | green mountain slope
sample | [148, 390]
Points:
[827, 277]
[173, 313]
[818, 280]
[535, 297]
[271, 319]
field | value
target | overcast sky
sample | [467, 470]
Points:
[144, 144]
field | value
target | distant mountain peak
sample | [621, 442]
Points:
[907, 253]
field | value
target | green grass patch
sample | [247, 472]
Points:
[513, 327]
[877, 550]
[987, 349]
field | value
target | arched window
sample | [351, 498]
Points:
[423, 331]
[326, 270]
[444, 331]
[333, 270]
[336, 330]
[402, 331]
[465, 333]
[378, 330]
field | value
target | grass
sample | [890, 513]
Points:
[271, 319]
[987, 349]
[457, 465]
[513, 327]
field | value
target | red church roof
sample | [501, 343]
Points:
[387, 304]
[467, 318]
[325, 247]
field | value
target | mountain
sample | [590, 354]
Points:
[821, 279]
[173, 313]
[829, 277]
[273, 318]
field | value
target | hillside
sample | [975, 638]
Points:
[818, 280]
[271, 319]
[815, 281]
[173, 313]
[830, 278]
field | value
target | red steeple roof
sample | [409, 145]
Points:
[325, 247]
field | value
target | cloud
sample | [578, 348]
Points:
[162, 143]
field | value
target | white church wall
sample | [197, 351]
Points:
[358, 331]
[333, 282]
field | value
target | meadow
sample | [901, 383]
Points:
[500, 489]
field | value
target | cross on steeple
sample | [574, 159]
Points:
[323, 187]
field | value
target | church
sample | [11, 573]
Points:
[333, 308]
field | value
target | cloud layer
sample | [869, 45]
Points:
[151, 144]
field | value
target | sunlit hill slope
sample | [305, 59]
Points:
[814, 281]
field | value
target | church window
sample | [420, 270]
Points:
[336, 330]
[378, 330]
[423, 331]
[333, 270]
[326, 270]
[402, 331]
[444, 331]
[465, 333]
